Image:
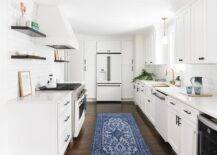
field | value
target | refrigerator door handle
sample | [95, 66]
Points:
[108, 68]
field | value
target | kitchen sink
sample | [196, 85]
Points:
[160, 85]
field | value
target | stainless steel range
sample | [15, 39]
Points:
[79, 103]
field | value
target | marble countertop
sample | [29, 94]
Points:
[207, 105]
[41, 97]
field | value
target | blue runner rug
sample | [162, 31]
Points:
[118, 134]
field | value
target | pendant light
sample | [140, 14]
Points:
[165, 38]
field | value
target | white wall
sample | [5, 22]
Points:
[11, 41]
[20, 42]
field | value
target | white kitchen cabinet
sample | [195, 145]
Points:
[137, 93]
[149, 43]
[188, 137]
[174, 129]
[198, 32]
[90, 68]
[182, 128]
[109, 46]
[211, 31]
[150, 105]
[40, 124]
[154, 51]
[139, 55]
[182, 36]
[127, 69]
[143, 100]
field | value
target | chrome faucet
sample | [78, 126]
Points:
[173, 74]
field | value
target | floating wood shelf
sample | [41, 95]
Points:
[61, 61]
[27, 57]
[28, 31]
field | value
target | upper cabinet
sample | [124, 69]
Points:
[110, 46]
[195, 33]
[182, 37]
[155, 51]
[211, 31]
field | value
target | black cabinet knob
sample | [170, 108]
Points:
[180, 60]
[201, 58]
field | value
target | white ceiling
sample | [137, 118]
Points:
[107, 17]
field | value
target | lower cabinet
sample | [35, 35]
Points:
[182, 128]
[40, 127]
[188, 138]
[174, 130]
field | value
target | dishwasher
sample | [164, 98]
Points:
[207, 139]
[161, 113]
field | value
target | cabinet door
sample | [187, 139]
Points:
[127, 69]
[173, 130]
[187, 35]
[90, 68]
[188, 138]
[152, 110]
[197, 32]
[211, 31]
[109, 46]
[179, 40]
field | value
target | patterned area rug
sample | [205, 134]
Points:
[118, 134]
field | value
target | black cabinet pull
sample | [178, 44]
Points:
[149, 101]
[172, 103]
[187, 112]
[180, 60]
[67, 118]
[201, 58]
[67, 103]
[176, 120]
[150, 62]
[179, 121]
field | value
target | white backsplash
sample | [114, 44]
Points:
[207, 71]
[22, 43]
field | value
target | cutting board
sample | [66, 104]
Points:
[193, 95]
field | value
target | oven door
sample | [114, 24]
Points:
[80, 111]
[207, 140]
[82, 106]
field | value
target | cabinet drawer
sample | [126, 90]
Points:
[64, 104]
[175, 104]
[189, 113]
[65, 119]
[64, 140]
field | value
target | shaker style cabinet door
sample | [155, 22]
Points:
[173, 130]
[182, 37]
[211, 31]
[109, 46]
[188, 138]
[198, 32]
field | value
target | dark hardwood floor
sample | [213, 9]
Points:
[82, 144]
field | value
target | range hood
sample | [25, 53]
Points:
[59, 32]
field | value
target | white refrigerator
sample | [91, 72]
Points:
[109, 76]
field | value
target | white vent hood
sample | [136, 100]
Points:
[58, 30]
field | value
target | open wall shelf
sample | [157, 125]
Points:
[28, 57]
[28, 31]
[61, 61]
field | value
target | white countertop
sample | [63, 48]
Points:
[207, 105]
[41, 97]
